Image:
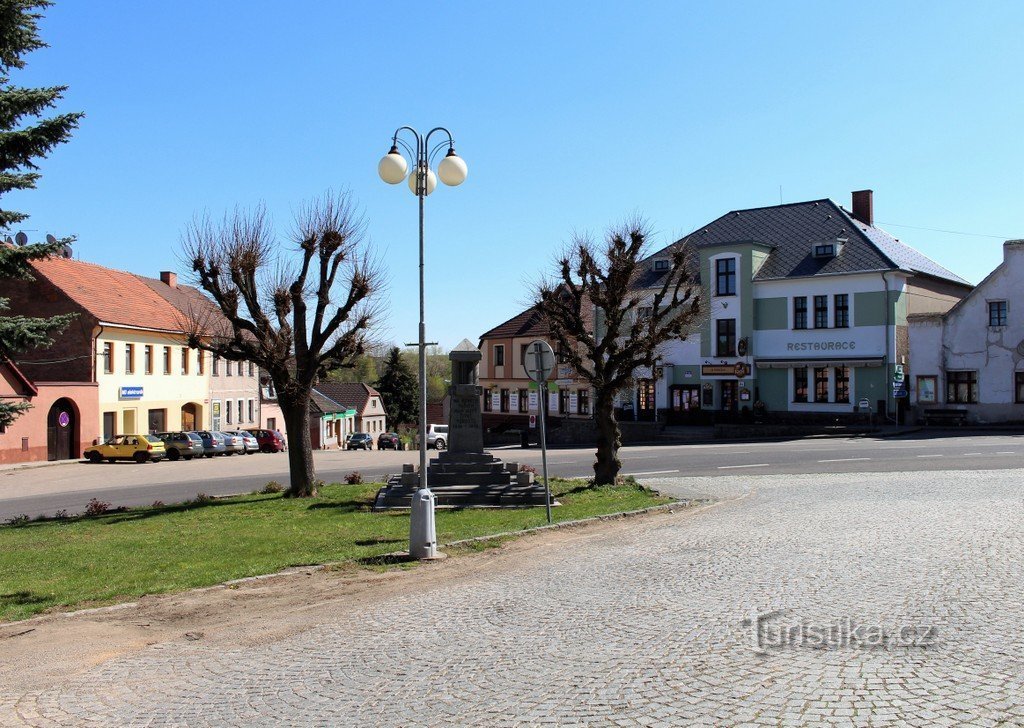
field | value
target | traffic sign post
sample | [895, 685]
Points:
[539, 362]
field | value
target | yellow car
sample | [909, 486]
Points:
[140, 448]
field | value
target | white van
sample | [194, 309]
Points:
[437, 437]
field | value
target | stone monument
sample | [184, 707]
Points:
[464, 475]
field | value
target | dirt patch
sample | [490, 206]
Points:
[45, 650]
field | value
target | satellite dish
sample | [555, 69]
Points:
[22, 238]
[50, 239]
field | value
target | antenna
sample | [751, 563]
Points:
[50, 239]
[22, 238]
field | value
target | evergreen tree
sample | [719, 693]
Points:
[397, 387]
[21, 144]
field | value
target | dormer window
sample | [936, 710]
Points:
[661, 265]
[828, 250]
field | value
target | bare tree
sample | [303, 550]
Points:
[283, 312]
[609, 314]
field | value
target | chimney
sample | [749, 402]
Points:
[171, 279]
[864, 206]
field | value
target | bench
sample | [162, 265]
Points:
[945, 417]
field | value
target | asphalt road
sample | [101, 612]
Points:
[70, 486]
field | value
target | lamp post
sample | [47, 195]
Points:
[422, 181]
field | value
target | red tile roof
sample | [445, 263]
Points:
[354, 394]
[530, 322]
[112, 296]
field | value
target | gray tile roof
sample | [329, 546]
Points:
[791, 230]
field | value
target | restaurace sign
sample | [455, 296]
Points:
[739, 369]
[821, 346]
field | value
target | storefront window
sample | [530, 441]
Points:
[842, 384]
[563, 401]
[800, 384]
[524, 400]
[1018, 387]
[504, 400]
[821, 384]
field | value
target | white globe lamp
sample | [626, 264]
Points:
[431, 181]
[392, 167]
[452, 170]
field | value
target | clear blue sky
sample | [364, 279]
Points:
[571, 116]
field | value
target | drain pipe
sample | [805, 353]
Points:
[888, 360]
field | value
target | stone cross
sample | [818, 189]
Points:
[465, 423]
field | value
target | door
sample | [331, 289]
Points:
[729, 395]
[645, 400]
[61, 427]
[109, 425]
[128, 418]
[188, 417]
[157, 420]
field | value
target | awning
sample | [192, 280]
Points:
[849, 361]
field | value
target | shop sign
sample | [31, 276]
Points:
[739, 369]
[130, 393]
[821, 346]
[744, 394]
[63, 419]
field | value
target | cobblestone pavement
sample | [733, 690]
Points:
[644, 626]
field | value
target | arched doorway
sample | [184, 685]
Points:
[62, 431]
[191, 417]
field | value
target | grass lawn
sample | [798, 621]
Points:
[53, 565]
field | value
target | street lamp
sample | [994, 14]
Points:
[452, 170]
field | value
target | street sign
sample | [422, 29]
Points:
[533, 422]
[864, 404]
[539, 360]
[898, 375]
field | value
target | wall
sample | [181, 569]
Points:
[159, 391]
[234, 387]
[33, 424]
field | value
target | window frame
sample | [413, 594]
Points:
[800, 385]
[821, 383]
[108, 357]
[147, 355]
[1001, 311]
[842, 384]
[499, 355]
[524, 400]
[957, 378]
[167, 361]
[726, 276]
[821, 311]
[729, 336]
[583, 401]
[129, 358]
[844, 308]
[1018, 387]
[934, 389]
[799, 313]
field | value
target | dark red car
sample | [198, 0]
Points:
[387, 440]
[269, 440]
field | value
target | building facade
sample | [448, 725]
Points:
[807, 308]
[971, 358]
[510, 397]
[370, 416]
[124, 363]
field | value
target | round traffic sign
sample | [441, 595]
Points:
[539, 360]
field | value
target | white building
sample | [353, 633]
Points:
[971, 358]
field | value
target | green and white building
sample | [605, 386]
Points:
[807, 307]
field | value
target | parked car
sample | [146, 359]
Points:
[213, 443]
[360, 441]
[232, 443]
[269, 440]
[140, 448]
[249, 441]
[387, 440]
[437, 437]
[185, 445]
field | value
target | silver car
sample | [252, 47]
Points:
[232, 443]
[248, 440]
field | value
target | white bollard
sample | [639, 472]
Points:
[422, 534]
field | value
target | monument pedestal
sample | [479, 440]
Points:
[465, 475]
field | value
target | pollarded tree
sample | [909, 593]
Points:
[21, 144]
[609, 314]
[398, 389]
[297, 316]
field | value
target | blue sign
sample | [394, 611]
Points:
[131, 393]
